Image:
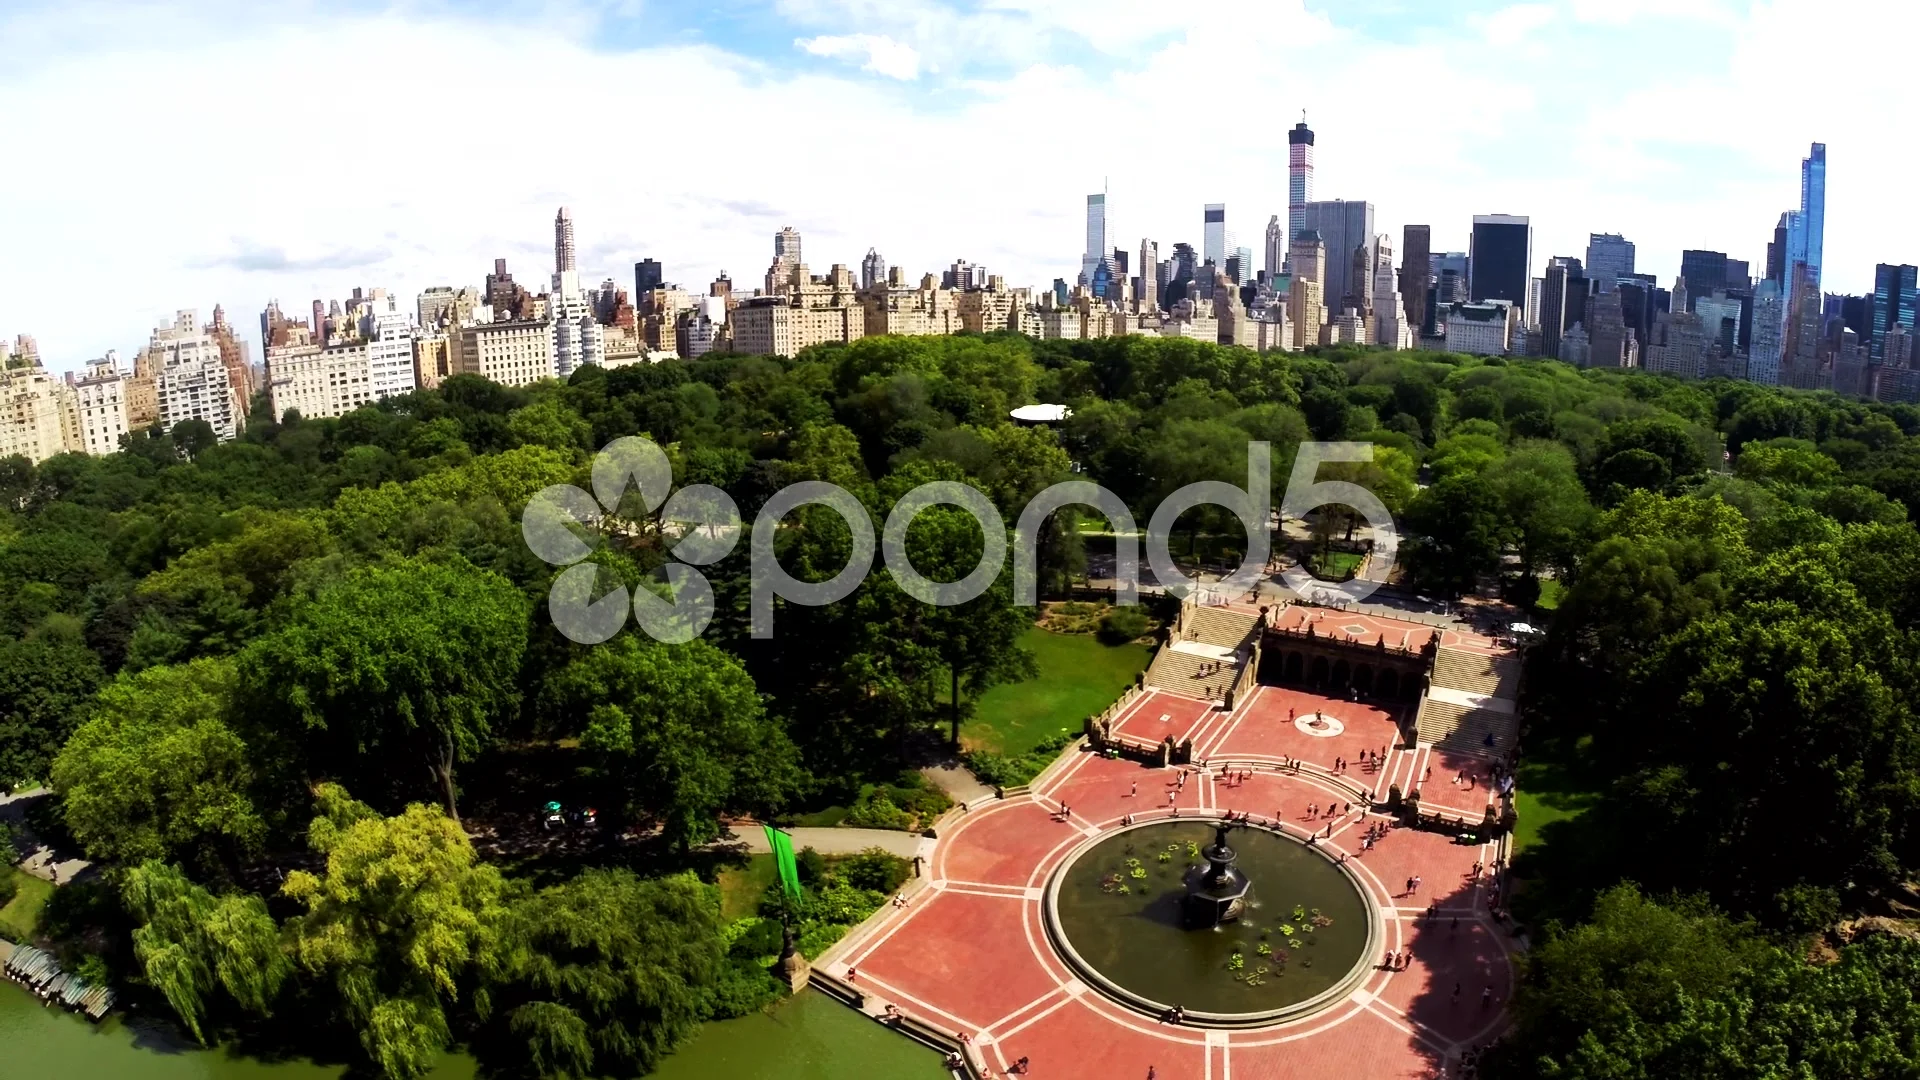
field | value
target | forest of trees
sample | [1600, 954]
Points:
[258, 676]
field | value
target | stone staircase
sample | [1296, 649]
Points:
[1464, 730]
[1222, 627]
[1476, 673]
[1179, 673]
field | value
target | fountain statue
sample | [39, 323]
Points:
[1217, 894]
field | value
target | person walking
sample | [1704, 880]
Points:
[1172, 795]
[1134, 789]
[1408, 891]
[1416, 883]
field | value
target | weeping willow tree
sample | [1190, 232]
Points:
[199, 950]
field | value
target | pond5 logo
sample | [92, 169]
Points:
[704, 518]
[633, 494]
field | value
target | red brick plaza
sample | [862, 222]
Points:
[970, 954]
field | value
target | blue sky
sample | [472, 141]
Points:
[164, 155]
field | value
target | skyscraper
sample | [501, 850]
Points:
[1342, 225]
[1416, 272]
[1777, 252]
[1705, 271]
[1213, 236]
[646, 278]
[1501, 255]
[1769, 323]
[1306, 310]
[1563, 302]
[786, 245]
[563, 259]
[1276, 252]
[1096, 235]
[1299, 176]
[1894, 300]
[1243, 257]
[1806, 234]
[873, 270]
[1609, 258]
[1149, 296]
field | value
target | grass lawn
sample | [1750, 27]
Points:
[1078, 676]
[1548, 790]
[1336, 565]
[741, 887]
[1550, 593]
[21, 917]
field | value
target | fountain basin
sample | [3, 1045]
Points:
[1117, 914]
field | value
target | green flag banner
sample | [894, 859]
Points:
[782, 846]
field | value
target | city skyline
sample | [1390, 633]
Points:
[112, 246]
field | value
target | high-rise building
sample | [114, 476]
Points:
[1481, 329]
[1276, 249]
[1306, 304]
[1777, 252]
[786, 246]
[873, 270]
[389, 336]
[1769, 323]
[1149, 293]
[1739, 274]
[646, 278]
[191, 378]
[100, 406]
[1806, 233]
[1502, 257]
[1800, 347]
[1416, 273]
[510, 353]
[1610, 342]
[563, 257]
[1895, 299]
[1213, 236]
[1609, 258]
[1342, 225]
[1096, 234]
[1563, 302]
[1706, 271]
[35, 420]
[1299, 176]
[1390, 325]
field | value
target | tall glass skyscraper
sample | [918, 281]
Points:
[1213, 238]
[1609, 258]
[1502, 254]
[1096, 234]
[1299, 177]
[1807, 230]
[1895, 298]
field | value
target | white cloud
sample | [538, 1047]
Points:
[881, 55]
[235, 161]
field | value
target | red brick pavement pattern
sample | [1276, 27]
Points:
[1264, 730]
[1005, 843]
[1100, 790]
[963, 953]
[1363, 1046]
[1443, 792]
[1185, 716]
[1077, 1041]
[1445, 954]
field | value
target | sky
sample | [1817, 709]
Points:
[164, 155]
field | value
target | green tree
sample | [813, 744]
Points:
[1457, 526]
[201, 951]
[677, 733]
[608, 974]
[404, 923]
[1539, 488]
[47, 682]
[158, 773]
[410, 657]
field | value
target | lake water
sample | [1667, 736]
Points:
[809, 1037]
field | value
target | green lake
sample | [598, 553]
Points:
[810, 1037]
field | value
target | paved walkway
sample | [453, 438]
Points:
[39, 860]
[834, 841]
[960, 785]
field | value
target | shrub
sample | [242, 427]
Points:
[1012, 772]
[8, 887]
[812, 866]
[1123, 624]
[757, 938]
[875, 870]
[743, 987]
[876, 811]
